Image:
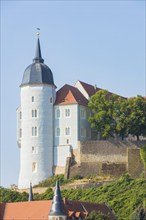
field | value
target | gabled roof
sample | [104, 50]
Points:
[70, 95]
[37, 210]
[91, 90]
[25, 210]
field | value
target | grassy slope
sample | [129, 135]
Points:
[123, 195]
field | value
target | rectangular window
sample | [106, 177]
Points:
[67, 131]
[57, 132]
[67, 112]
[20, 133]
[83, 113]
[34, 113]
[34, 149]
[32, 98]
[34, 131]
[57, 113]
[51, 100]
[89, 133]
[34, 167]
[83, 132]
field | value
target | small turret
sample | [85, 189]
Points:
[57, 211]
[30, 193]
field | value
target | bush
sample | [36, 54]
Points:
[98, 216]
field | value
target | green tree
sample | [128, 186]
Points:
[121, 114]
[137, 116]
[103, 117]
[97, 215]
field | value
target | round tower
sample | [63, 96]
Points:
[35, 122]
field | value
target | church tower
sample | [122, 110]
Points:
[35, 122]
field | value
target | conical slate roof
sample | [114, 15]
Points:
[37, 72]
[57, 209]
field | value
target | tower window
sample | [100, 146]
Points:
[20, 133]
[67, 112]
[34, 131]
[67, 141]
[34, 149]
[34, 167]
[34, 113]
[67, 131]
[32, 98]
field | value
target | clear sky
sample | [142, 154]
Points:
[98, 42]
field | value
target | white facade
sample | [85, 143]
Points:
[47, 133]
[36, 134]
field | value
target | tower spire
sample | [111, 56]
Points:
[57, 209]
[30, 193]
[38, 57]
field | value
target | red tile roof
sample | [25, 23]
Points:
[35, 210]
[91, 90]
[39, 210]
[70, 95]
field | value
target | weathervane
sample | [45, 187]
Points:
[38, 32]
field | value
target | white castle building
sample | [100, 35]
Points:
[49, 124]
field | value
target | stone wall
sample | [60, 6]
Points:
[135, 166]
[108, 157]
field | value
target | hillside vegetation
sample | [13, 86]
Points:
[124, 195]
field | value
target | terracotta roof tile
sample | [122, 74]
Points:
[35, 210]
[70, 95]
[39, 210]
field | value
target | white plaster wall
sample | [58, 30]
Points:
[43, 141]
[60, 155]
[18, 110]
[82, 90]
[64, 122]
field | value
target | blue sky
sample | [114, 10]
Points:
[98, 42]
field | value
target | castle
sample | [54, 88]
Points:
[53, 127]
[49, 123]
